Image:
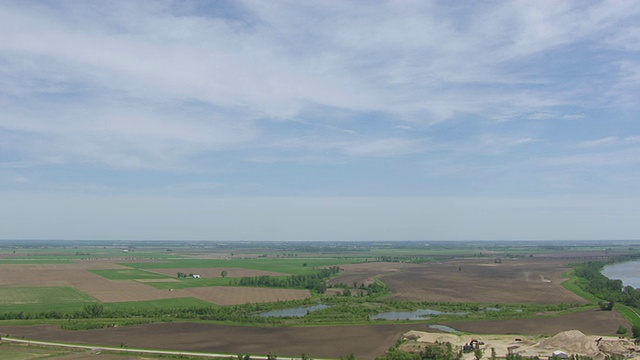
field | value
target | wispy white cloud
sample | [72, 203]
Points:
[597, 159]
[494, 141]
[609, 141]
[194, 187]
[355, 146]
[21, 179]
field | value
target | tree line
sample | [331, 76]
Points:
[315, 282]
[611, 291]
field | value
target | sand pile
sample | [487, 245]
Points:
[422, 336]
[572, 342]
[617, 346]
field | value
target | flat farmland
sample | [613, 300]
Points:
[366, 342]
[293, 266]
[591, 322]
[365, 273]
[84, 276]
[235, 295]
[128, 274]
[216, 272]
[38, 295]
[512, 281]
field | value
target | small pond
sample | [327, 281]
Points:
[411, 315]
[293, 312]
[443, 328]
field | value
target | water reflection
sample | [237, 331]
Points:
[412, 315]
[293, 312]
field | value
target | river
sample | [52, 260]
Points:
[628, 272]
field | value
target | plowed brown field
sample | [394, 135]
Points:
[366, 342]
[512, 281]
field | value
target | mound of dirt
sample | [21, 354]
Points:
[572, 342]
[618, 346]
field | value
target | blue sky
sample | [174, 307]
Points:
[327, 120]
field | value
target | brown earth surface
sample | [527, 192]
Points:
[365, 273]
[77, 275]
[366, 342]
[591, 322]
[216, 272]
[483, 280]
[234, 295]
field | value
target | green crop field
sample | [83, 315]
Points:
[37, 260]
[41, 299]
[190, 282]
[128, 274]
[288, 266]
[159, 304]
[42, 295]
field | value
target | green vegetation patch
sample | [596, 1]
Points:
[191, 282]
[129, 274]
[36, 261]
[629, 313]
[22, 352]
[574, 283]
[159, 304]
[298, 266]
[42, 295]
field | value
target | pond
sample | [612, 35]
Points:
[411, 315]
[293, 312]
[628, 272]
[443, 328]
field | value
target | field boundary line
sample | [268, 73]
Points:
[138, 351]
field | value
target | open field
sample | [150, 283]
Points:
[482, 280]
[590, 322]
[215, 272]
[26, 352]
[495, 292]
[366, 342]
[235, 295]
[84, 277]
[293, 266]
[128, 274]
[36, 295]
[18, 352]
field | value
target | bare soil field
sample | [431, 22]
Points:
[365, 273]
[234, 295]
[483, 280]
[592, 322]
[216, 272]
[366, 342]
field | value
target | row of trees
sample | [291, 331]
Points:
[316, 282]
[239, 313]
[604, 288]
